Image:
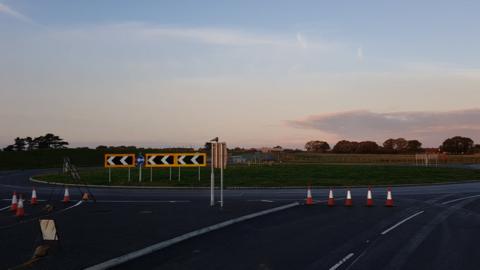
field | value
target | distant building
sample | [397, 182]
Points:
[238, 159]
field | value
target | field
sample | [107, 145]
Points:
[279, 175]
[94, 158]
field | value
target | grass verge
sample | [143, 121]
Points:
[277, 176]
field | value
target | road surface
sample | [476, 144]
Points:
[430, 227]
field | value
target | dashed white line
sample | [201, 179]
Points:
[460, 199]
[401, 222]
[341, 262]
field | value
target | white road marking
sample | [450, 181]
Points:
[70, 207]
[164, 244]
[460, 199]
[5, 208]
[401, 222]
[348, 257]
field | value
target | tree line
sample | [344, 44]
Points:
[454, 145]
[48, 141]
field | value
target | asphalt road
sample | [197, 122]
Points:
[431, 227]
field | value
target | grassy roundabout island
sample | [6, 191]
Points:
[279, 175]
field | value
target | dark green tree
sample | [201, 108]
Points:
[458, 145]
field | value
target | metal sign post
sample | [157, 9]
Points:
[179, 173]
[221, 173]
[109, 175]
[128, 174]
[151, 174]
[140, 161]
[170, 173]
[212, 176]
[198, 174]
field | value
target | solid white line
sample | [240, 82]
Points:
[401, 222]
[5, 208]
[336, 266]
[70, 207]
[159, 246]
[460, 199]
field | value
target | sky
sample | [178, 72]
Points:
[254, 73]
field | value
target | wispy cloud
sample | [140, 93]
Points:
[203, 35]
[11, 12]
[301, 40]
[360, 54]
[430, 126]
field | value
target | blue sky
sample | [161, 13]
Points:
[256, 73]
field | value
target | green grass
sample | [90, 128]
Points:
[280, 175]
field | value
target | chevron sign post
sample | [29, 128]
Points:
[119, 161]
[176, 160]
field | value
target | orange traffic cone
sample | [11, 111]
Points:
[85, 196]
[348, 200]
[66, 196]
[14, 204]
[33, 201]
[309, 197]
[389, 201]
[331, 200]
[20, 211]
[369, 198]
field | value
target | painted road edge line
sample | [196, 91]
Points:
[159, 246]
[344, 260]
[401, 222]
[460, 199]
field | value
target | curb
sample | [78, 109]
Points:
[164, 244]
[248, 188]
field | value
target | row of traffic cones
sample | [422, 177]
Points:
[17, 204]
[348, 199]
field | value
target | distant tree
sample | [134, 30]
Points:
[414, 146]
[277, 148]
[19, 144]
[30, 143]
[317, 146]
[458, 145]
[345, 147]
[50, 141]
[101, 147]
[8, 148]
[395, 145]
[476, 148]
[367, 147]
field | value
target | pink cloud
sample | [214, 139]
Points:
[432, 127]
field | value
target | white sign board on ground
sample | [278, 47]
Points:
[49, 231]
